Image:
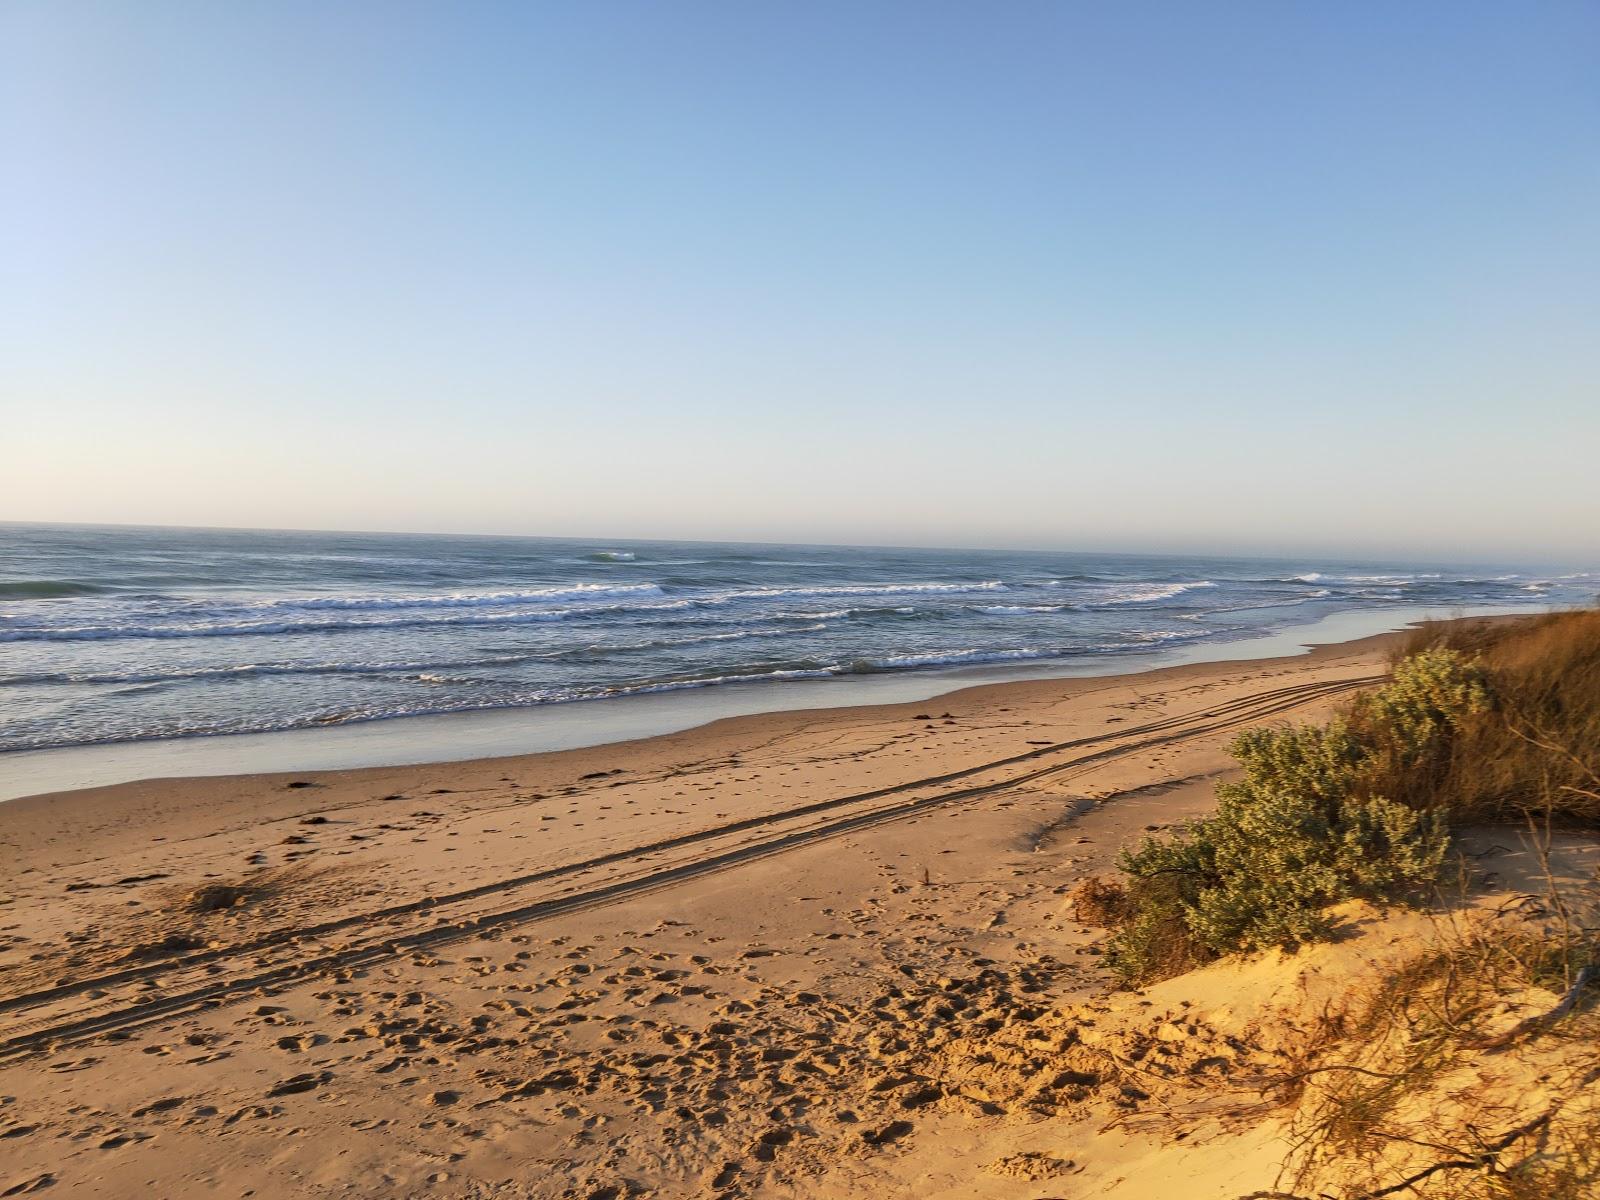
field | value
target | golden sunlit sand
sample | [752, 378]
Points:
[807, 954]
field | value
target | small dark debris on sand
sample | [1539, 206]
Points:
[215, 897]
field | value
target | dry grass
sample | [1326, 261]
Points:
[1537, 750]
[1429, 1102]
[1469, 1074]
[1099, 903]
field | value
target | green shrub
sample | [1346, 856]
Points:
[1479, 722]
[1300, 831]
[1154, 941]
[1409, 728]
[1261, 873]
[1430, 693]
[1318, 761]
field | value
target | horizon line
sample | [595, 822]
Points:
[1334, 558]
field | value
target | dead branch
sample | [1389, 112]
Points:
[1540, 1020]
[1479, 1161]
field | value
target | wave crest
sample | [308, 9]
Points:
[1159, 591]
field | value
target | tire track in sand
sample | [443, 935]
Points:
[769, 842]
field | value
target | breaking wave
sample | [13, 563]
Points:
[117, 636]
[577, 591]
[859, 589]
[1161, 591]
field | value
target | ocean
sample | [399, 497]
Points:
[119, 634]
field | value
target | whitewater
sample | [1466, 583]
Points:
[122, 634]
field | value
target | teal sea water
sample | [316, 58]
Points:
[121, 634]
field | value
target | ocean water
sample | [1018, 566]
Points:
[121, 634]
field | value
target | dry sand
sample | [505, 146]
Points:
[802, 954]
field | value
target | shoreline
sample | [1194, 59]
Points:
[309, 978]
[464, 737]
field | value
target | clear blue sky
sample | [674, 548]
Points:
[1234, 276]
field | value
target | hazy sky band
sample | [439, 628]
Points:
[1254, 277]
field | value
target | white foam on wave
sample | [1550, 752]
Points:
[757, 672]
[1389, 580]
[835, 614]
[90, 633]
[496, 599]
[1275, 602]
[941, 658]
[857, 589]
[286, 667]
[1020, 608]
[1160, 591]
[276, 617]
[424, 668]
[1386, 580]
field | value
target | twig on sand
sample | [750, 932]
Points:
[1485, 1159]
[1540, 1020]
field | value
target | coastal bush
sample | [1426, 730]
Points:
[1407, 729]
[1262, 871]
[1302, 830]
[1480, 722]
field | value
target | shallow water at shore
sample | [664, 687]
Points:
[455, 737]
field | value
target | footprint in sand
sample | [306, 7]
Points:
[159, 1106]
[883, 1135]
[34, 1183]
[299, 1083]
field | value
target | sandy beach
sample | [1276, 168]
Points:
[800, 602]
[823, 953]
[711, 963]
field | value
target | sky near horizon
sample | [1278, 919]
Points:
[1234, 277]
